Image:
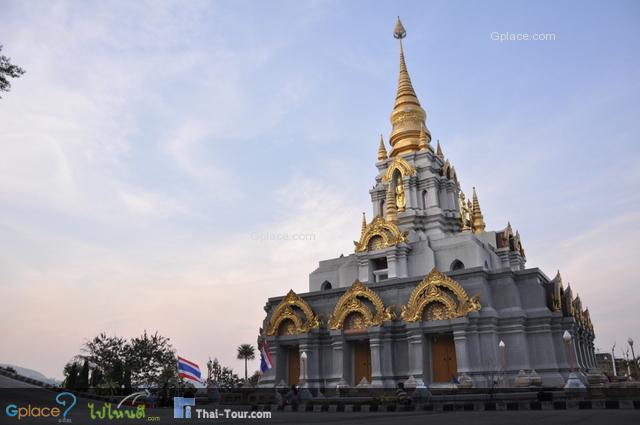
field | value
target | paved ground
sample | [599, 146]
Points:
[80, 415]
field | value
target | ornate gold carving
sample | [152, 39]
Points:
[284, 311]
[449, 299]
[401, 165]
[382, 151]
[477, 223]
[401, 200]
[380, 234]
[350, 302]
[465, 213]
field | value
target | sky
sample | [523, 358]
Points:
[151, 145]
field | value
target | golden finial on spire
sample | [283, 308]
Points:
[439, 153]
[476, 215]
[382, 151]
[364, 225]
[407, 117]
[399, 31]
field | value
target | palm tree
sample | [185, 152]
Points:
[246, 352]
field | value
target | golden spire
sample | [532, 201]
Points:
[558, 278]
[422, 140]
[382, 151]
[476, 215]
[408, 117]
[364, 225]
[439, 153]
[390, 204]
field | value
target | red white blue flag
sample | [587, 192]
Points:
[265, 357]
[188, 369]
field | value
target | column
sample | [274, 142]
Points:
[339, 357]
[432, 194]
[363, 268]
[309, 345]
[402, 269]
[392, 264]
[414, 201]
[375, 345]
[462, 353]
[415, 341]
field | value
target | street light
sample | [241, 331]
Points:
[633, 354]
[573, 382]
[303, 357]
[503, 361]
[566, 337]
[305, 394]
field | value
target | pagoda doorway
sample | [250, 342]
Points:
[293, 360]
[361, 361]
[443, 358]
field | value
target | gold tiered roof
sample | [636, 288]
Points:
[407, 118]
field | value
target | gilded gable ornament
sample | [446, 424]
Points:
[352, 302]
[294, 324]
[379, 234]
[440, 297]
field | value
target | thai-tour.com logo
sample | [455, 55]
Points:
[65, 400]
[184, 408]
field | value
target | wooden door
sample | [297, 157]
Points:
[294, 365]
[443, 355]
[362, 361]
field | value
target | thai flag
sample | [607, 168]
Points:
[188, 370]
[265, 357]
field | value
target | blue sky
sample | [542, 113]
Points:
[149, 140]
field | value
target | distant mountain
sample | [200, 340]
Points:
[33, 374]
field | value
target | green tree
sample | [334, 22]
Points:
[71, 375]
[253, 380]
[8, 70]
[108, 354]
[223, 376]
[149, 358]
[82, 382]
[246, 352]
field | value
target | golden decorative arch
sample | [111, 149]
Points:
[379, 234]
[349, 302]
[401, 165]
[284, 311]
[438, 288]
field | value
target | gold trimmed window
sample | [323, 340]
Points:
[292, 316]
[438, 297]
[401, 165]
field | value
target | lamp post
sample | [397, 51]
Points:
[305, 394]
[635, 361]
[303, 358]
[573, 382]
[566, 337]
[613, 359]
[503, 361]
